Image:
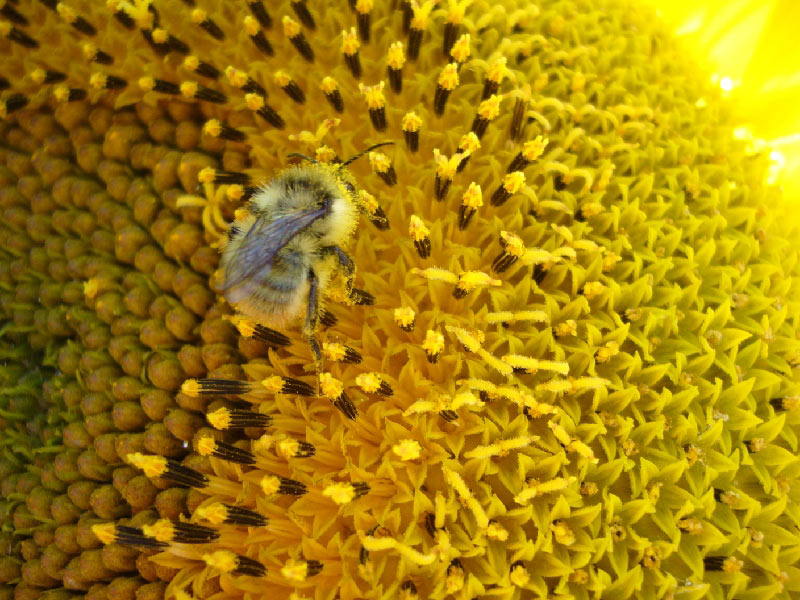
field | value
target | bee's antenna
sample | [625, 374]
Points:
[303, 156]
[363, 152]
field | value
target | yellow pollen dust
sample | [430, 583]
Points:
[407, 449]
[513, 182]
[152, 466]
[373, 94]
[732, 565]
[236, 77]
[189, 89]
[288, 448]
[270, 484]
[281, 78]
[105, 532]
[334, 351]
[66, 12]
[411, 122]
[251, 26]
[446, 167]
[396, 57]
[376, 544]
[212, 127]
[490, 108]
[473, 196]
[160, 35]
[328, 85]
[146, 83]
[607, 352]
[497, 532]
[460, 50]
[379, 162]
[199, 16]
[191, 62]
[471, 343]
[273, 384]
[330, 387]
[520, 576]
[456, 9]
[98, 80]
[404, 316]
[562, 533]
[364, 6]
[162, 530]
[421, 13]
[290, 27]
[220, 418]
[215, 513]
[191, 388]
[350, 43]
[61, 93]
[369, 382]
[513, 244]
[340, 493]
[206, 446]
[295, 570]
[534, 148]
[223, 560]
[497, 70]
[417, 229]
[469, 143]
[254, 101]
[469, 280]
[448, 78]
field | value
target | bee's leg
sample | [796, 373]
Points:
[346, 262]
[310, 326]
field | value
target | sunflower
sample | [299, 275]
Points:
[568, 370]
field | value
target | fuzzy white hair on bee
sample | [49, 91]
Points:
[285, 252]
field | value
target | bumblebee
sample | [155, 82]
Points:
[283, 256]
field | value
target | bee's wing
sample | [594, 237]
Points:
[262, 243]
